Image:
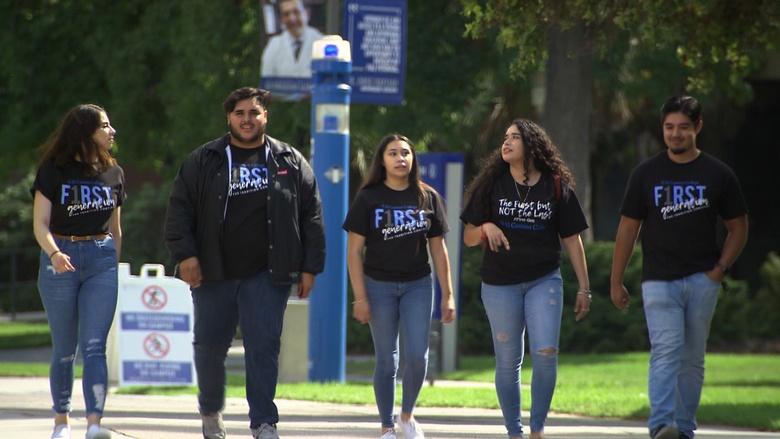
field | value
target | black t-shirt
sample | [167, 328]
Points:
[245, 232]
[396, 231]
[532, 221]
[80, 204]
[678, 205]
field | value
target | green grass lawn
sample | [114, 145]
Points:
[14, 335]
[740, 390]
[15, 369]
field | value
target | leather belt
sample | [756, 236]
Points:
[75, 238]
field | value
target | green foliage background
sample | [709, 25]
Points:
[745, 320]
[163, 68]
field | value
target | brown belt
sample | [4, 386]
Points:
[74, 238]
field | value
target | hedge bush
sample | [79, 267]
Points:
[742, 322]
[746, 319]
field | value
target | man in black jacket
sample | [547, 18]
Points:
[244, 223]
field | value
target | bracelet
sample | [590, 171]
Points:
[585, 292]
[54, 253]
[358, 301]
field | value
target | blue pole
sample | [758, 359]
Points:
[331, 66]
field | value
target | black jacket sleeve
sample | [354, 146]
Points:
[312, 230]
[181, 213]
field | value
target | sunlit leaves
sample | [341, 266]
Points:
[716, 41]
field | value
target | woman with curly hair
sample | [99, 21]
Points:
[520, 207]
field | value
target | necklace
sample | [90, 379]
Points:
[517, 189]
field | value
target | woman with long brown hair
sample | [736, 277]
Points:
[78, 191]
[521, 206]
[396, 219]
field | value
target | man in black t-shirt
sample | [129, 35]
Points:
[244, 224]
[676, 198]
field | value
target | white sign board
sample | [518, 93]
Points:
[153, 329]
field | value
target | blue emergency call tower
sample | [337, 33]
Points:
[330, 98]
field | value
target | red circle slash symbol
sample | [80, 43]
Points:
[157, 345]
[154, 297]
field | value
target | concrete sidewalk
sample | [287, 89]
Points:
[25, 414]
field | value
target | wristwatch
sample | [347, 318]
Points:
[723, 268]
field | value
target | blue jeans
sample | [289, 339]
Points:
[678, 315]
[257, 305]
[536, 305]
[80, 308]
[404, 306]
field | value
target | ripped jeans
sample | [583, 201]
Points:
[80, 308]
[536, 305]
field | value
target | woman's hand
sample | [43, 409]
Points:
[447, 309]
[494, 237]
[61, 262]
[361, 311]
[582, 306]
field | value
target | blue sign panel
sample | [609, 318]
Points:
[433, 168]
[289, 89]
[156, 371]
[147, 321]
[377, 31]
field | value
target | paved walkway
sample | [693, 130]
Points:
[25, 414]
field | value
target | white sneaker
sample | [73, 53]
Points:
[411, 429]
[389, 434]
[95, 431]
[61, 431]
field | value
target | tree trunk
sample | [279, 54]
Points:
[568, 104]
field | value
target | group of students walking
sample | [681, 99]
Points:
[244, 225]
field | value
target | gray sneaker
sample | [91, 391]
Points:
[666, 432]
[213, 427]
[265, 431]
